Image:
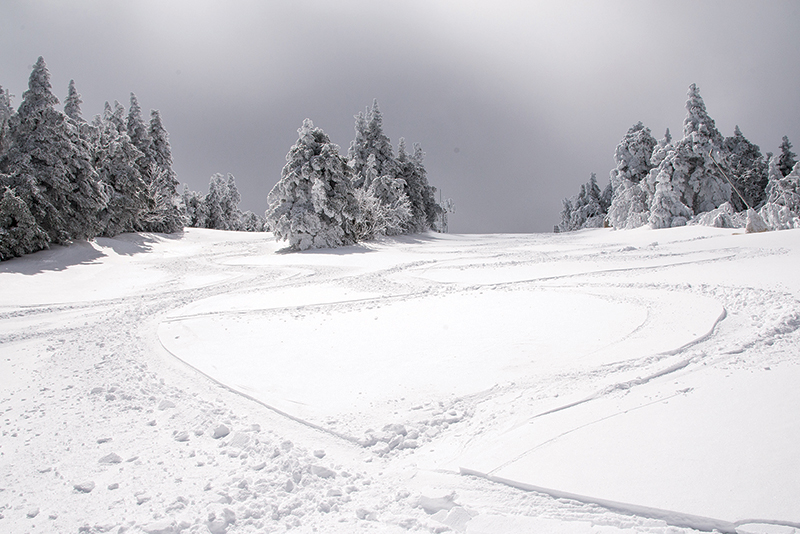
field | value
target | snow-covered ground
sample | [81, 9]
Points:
[599, 381]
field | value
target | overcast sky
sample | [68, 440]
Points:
[514, 102]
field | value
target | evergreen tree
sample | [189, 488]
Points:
[748, 171]
[194, 208]
[787, 159]
[628, 204]
[313, 205]
[420, 194]
[666, 209]
[117, 165]
[50, 165]
[72, 105]
[394, 211]
[138, 133]
[434, 213]
[693, 177]
[163, 214]
[222, 204]
[19, 232]
[252, 222]
[370, 139]
[782, 209]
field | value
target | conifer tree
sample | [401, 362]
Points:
[50, 165]
[221, 204]
[194, 208]
[138, 133]
[747, 170]
[163, 214]
[117, 166]
[693, 177]
[370, 139]
[313, 205]
[434, 213]
[787, 159]
[72, 105]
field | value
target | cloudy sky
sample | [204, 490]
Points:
[514, 102]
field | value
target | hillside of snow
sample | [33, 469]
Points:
[596, 381]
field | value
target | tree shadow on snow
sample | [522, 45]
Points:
[339, 251]
[60, 257]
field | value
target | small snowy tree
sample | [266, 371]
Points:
[313, 205]
[251, 222]
[5, 125]
[117, 166]
[666, 209]
[583, 210]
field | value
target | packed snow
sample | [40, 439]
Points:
[595, 381]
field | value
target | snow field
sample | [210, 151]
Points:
[654, 373]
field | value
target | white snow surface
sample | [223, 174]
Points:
[597, 381]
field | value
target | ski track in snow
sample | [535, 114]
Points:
[104, 431]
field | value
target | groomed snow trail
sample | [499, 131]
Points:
[601, 365]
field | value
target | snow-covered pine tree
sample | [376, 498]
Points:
[394, 211]
[666, 209]
[163, 213]
[370, 139]
[583, 210]
[19, 232]
[50, 165]
[787, 159]
[748, 171]
[419, 192]
[138, 133]
[72, 104]
[194, 208]
[693, 177]
[222, 204]
[313, 205]
[251, 222]
[629, 203]
[117, 163]
[436, 216]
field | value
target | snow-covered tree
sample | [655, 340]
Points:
[420, 194]
[395, 208]
[628, 207]
[370, 140]
[787, 159]
[138, 133]
[163, 213]
[19, 232]
[222, 204]
[694, 180]
[50, 165]
[117, 165]
[313, 205]
[194, 208]
[251, 222]
[747, 170]
[436, 216]
[72, 105]
[583, 210]
[666, 209]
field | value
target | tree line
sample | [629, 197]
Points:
[63, 178]
[702, 178]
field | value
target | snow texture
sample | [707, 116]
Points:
[602, 381]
